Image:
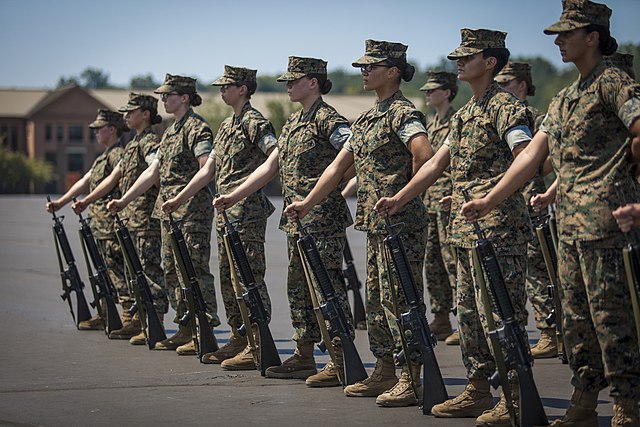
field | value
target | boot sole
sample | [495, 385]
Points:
[239, 368]
[298, 375]
[186, 353]
[392, 404]
[323, 384]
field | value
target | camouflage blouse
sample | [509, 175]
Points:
[101, 220]
[437, 132]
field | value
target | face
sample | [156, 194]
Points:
[135, 118]
[172, 101]
[103, 134]
[375, 76]
[299, 89]
[230, 94]
[471, 67]
[436, 97]
[573, 44]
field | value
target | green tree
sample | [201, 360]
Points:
[94, 78]
[19, 173]
[143, 81]
[278, 111]
[214, 112]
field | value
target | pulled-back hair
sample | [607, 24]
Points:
[502, 57]
[608, 44]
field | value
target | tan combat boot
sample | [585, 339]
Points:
[130, 325]
[472, 402]
[441, 326]
[182, 336]
[300, 366]
[453, 339]
[246, 359]
[235, 345]
[187, 349]
[328, 376]
[625, 413]
[547, 346]
[93, 324]
[140, 339]
[402, 394]
[381, 379]
[581, 411]
[498, 416]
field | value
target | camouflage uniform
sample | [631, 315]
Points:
[308, 144]
[145, 230]
[101, 221]
[439, 261]
[240, 146]
[383, 162]
[587, 125]
[481, 151]
[182, 144]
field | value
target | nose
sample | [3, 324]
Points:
[289, 84]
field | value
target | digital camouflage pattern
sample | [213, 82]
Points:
[113, 259]
[179, 84]
[437, 132]
[378, 51]
[383, 162]
[148, 245]
[108, 117]
[580, 14]
[596, 313]
[440, 80]
[624, 61]
[101, 220]
[588, 128]
[479, 158]
[139, 100]
[240, 147]
[180, 148]
[520, 71]
[236, 75]
[135, 160]
[475, 41]
[304, 152]
[299, 67]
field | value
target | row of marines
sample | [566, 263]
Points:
[496, 147]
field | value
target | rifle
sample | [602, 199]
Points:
[100, 281]
[196, 315]
[353, 284]
[549, 253]
[144, 299]
[249, 301]
[71, 281]
[509, 348]
[414, 328]
[331, 311]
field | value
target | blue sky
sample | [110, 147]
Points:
[42, 40]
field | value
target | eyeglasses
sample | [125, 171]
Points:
[164, 96]
[369, 67]
[227, 86]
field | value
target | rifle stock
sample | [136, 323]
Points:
[353, 284]
[631, 258]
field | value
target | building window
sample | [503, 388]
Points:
[52, 158]
[48, 133]
[75, 133]
[59, 133]
[14, 138]
[4, 135]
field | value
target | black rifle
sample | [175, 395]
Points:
[144, 299]
[544, 231]
[331, 311]
[196, 315]
[353, 284]
[413, 324]
[510, 349]
[251, 299]
[100, 281]
[71, 281]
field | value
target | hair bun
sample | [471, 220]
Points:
[326, 87]
[611, 46]
[195, 100]
[408, 72]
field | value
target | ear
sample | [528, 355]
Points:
[593, 38]
[244, 91]
[491, 62]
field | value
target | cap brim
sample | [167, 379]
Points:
[431, 86]
[504, 78]
[564, 25]
[289, 77]
[461, 52]
[366, 60]
[164, 89]
[98, 124]
[128, 108]
[224, 81]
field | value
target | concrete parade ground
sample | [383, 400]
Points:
[54, 375]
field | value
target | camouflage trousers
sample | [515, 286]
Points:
[472, 321]
[536, 285]
[252, 236]
[382, 290]
[439, 264]
[597, 318]
[148, 245]
[199, 245]
[114, 261]
[303, 317]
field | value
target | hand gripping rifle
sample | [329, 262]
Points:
[249, 301]
[144, 299]
[101, 283]
[544, 231]
[511, 354]
[354, 284]
[331, 311]
[414, 328]
[71, 281]
[196, 315]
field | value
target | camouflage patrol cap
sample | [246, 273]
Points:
[235, 75]
[514, 70]
[178, 84]
[139, 100]
[475, 41]
[440, 80]
[624, 61]
[299, 67]
[377, 51]
[580, 14]
[107, 117]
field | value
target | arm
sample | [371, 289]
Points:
[81, 186]
[541, 201]
[146, 179]
[104, 188]
[197, 183]
[523, 168]
[258, 179]
[350, 188]
[421, 151]
[423, 179]
[628, 217]
[327, 182]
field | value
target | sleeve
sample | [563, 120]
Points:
[512, 115]
[260, 131]
[621, 94]
[517, 135]
[150, 148]
[202, 140]
[407, 122]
